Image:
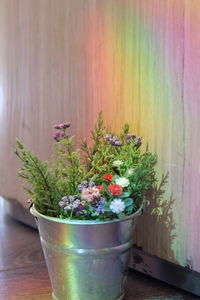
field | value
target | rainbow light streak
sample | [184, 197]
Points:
[135, 74]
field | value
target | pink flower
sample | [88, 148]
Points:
[62, 134]
[57, 126]
[58, 135]
[65, 125]
[90, 194]
[62, 126]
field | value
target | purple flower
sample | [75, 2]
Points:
[61, 203]
[83, 185]
[68, 207]
[117, 143]
[62, 126]
[99, 205]
[57, 126]
[131, 136]
[114, 139]
[108, 137]
[100, 209]
[58, 135]
[76, 203]
[65, 199]
[139, 142]
[79, 210]
[69, 202]
[65, 125]
[102, 200]
[91, 184]
[72, 198]
[80, 187]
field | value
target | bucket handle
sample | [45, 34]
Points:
[33, 213]
[145, 203]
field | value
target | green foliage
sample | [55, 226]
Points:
[43, 188]
[143, 177]
[49, 184]
[90, 154]
[67, 166]
[119, 156]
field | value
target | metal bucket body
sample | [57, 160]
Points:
[86, 260]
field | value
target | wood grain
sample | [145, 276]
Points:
[18, 250]
[138, 61]
[25, 284]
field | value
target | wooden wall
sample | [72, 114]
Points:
[137, 61]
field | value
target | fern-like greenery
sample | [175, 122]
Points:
[43, 184]
[48, 183]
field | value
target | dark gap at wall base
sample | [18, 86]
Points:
[173, 274]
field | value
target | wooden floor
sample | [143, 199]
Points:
[23, 274]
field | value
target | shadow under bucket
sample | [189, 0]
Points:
[86, 260]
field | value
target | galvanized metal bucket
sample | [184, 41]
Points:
[86, 260]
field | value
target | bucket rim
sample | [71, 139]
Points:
[37, 214]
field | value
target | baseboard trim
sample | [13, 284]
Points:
[18, 212]
[173, 274]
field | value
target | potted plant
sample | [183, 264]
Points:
[86, 203]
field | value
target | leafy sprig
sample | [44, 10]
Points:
[48, 183]
[43, 185]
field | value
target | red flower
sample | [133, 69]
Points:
[115, 189]
[107, 177]
[100, 187]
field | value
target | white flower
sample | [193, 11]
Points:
[130, 172]
[122, 181]
[117, 163]
[117, 206]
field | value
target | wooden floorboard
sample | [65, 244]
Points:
[29, 283]
[23, 273]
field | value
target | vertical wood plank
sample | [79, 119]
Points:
[137, 61]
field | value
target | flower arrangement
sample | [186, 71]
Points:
[102, 181]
